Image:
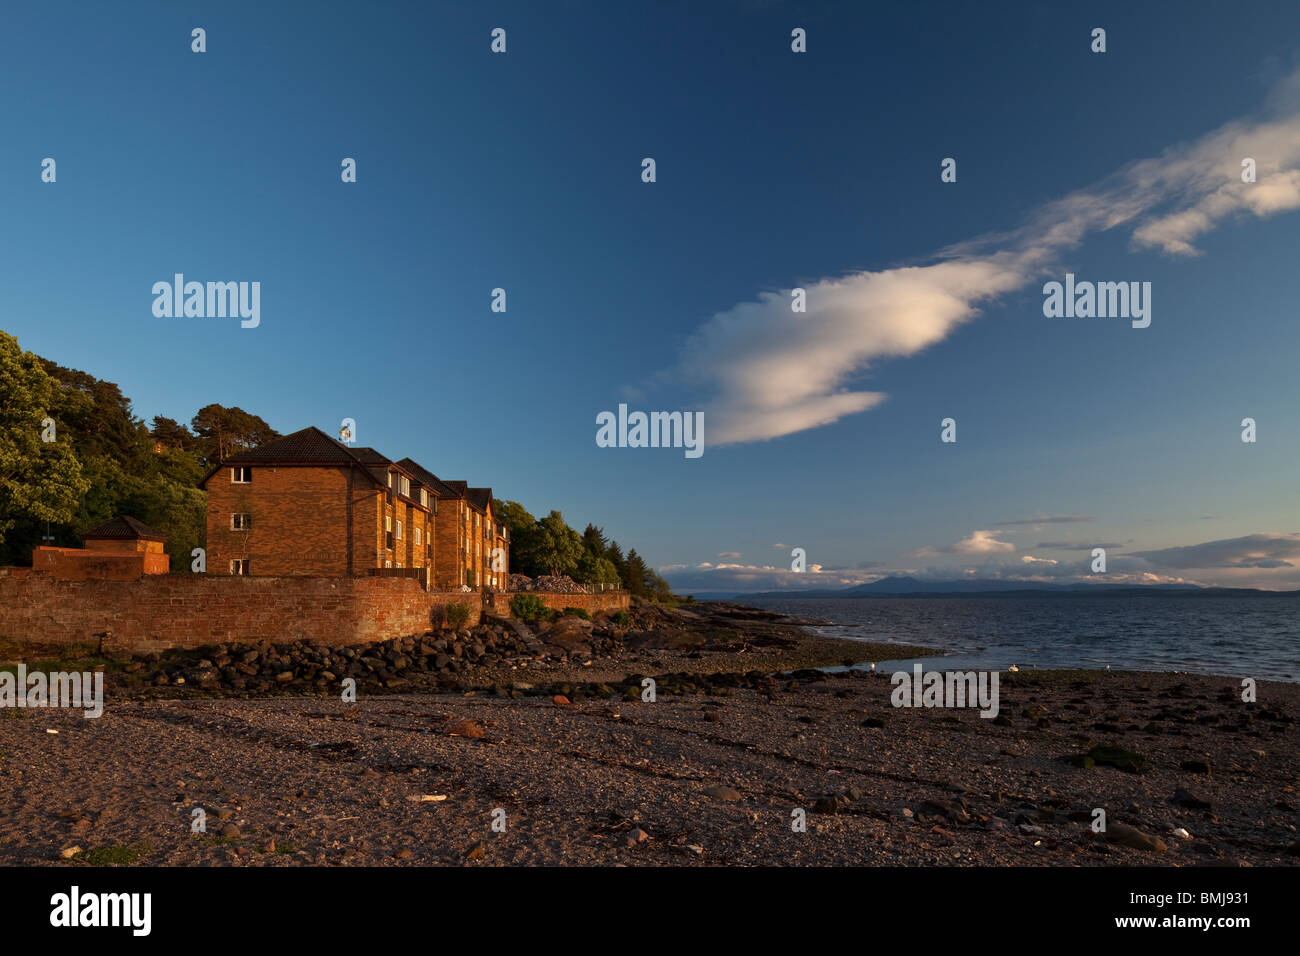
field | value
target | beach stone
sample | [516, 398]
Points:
[1130, 761]
[466, 728]
[230, 831]
[476, 852]
[944, 808]
[722, 792]
[1125, 835]
[560, 700]
[637, 836]
[1185, 798]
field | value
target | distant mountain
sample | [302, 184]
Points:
[900, 586]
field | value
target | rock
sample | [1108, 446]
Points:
[476, 852]
[69, 852]
[465, 728]
[1125, 835]
[230, 832]
[722, 792]
[944, 808]
[560, 699]
[224, 813]
[1184, 798]
[636, 837]
[875, 722]
[1109, 756]
[284, 677]
[403, 854]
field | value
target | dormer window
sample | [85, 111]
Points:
[424, 498]
[404, 485]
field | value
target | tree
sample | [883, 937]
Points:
[523, 537]
[40, 479]
[224, 431]
[558, 546]
[171, 434]
[635, 578]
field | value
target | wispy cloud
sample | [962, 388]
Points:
[1259, 551]
[765, 371]
[1045, 519]
[1078, 545]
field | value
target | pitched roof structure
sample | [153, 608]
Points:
[308, 446]
[123, 527]
[428, 478]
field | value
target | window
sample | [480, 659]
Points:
[239, 566]
[418, 537]
[388, 563]
[390, 479]
[404, 485]
[399, 564]
[424, 498]
[399, 531]
[388, 522]
[241, 522]
[241, 476]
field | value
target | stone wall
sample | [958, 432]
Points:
[164, 611]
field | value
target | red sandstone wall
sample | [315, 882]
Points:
[162, 611]
[75, 564]
[591, 603]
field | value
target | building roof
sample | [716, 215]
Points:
[480, 498]
[123, 527]
[429, 479]
[308, 446]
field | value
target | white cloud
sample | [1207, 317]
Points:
[978, 542]
[765, 371]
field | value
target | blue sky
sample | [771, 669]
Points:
[774, 170]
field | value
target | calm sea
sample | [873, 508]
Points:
[1234, 636]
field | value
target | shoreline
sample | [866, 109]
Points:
[716, 770]
[690, 779]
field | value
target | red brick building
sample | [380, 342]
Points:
[306, 504]
[120, 549]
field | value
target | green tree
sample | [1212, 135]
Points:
[523, 537]
[224, 431]
[171, 434]
[558, 546]
[39, 480]
[635, 578]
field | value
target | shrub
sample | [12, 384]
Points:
[621, 618]
[456, 615]
[575, 612]
[530, 608]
